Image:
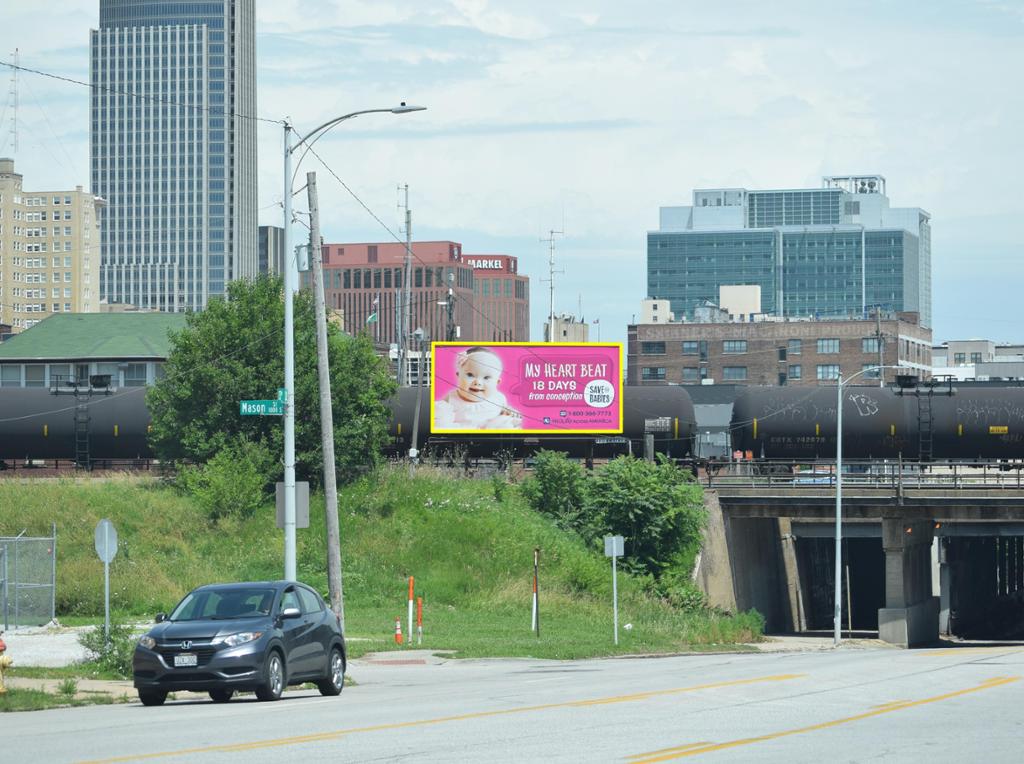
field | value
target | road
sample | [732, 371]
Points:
[850, 704]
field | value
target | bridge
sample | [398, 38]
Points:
[928, 550]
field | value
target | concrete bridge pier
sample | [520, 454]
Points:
[911, 613]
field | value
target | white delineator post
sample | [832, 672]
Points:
[838, 595]
[613, 547]
[535, 620]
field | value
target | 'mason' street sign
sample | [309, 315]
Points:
[261, 408]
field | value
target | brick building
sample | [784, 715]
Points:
[364, 286]
[775, 352]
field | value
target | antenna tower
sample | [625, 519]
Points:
[551, 282]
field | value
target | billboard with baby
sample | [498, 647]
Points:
[523, 387]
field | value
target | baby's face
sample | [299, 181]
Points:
[479, 376]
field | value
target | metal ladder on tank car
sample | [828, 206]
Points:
[82, 459]
[924, 425]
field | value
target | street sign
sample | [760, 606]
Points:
[613, 546]
[301, 504]
[106, 540]
[261, 408]
[282, 394]
[106, 548]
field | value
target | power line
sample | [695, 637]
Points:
[219, 111]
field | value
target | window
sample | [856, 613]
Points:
[35, 375]
[975, 357]
[869, 345]
[795, 371]
[652, 348]
[10, 375]
[959, 359]
[871, 370]
[689, 374]
[734, 373]
[651, 372]
[310, 602]
[703, 350]
[734, 346]
[828, 370]
[689, 347]
[135, 375]
[828, 346]
[782, 355]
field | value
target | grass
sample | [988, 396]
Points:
[37, 700]
[471, 554]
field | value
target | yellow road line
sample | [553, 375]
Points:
[332, 735]
[667, 750]
[993, 650]
[655, 756]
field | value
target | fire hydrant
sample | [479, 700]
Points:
[5, 662]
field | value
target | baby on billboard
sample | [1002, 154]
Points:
[476, 403]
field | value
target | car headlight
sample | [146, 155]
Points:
[148, 642]
[241, 638]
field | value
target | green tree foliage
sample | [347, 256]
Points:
[233, 351]
[233, 482]
[558, 488]
[656, 506]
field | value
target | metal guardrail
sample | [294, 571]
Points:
[868, 474]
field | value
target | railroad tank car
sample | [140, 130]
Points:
[881, 423]
[37, 425]
[665, 411]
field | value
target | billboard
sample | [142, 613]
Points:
[521, 387]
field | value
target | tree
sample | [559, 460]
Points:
[233, 351]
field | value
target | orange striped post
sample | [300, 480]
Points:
[411, 580]
[419, 620]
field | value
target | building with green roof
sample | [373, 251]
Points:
[130, 347]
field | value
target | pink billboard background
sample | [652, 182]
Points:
[523, 387]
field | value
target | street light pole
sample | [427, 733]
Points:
[837, 611]
[291, 282]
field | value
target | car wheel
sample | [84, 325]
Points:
[273, 678]
[221, 696]
[334, 682]
[152, 697]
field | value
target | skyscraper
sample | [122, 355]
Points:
[835, 251]
[173, 149]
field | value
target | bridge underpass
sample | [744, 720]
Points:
[920, 562]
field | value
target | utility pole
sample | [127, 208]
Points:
[450, 305]
[551, 282]
[403, 363]
[879, 341]
[334, 580]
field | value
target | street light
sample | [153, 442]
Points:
[838, 598]
[291, 283]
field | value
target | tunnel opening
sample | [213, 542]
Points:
[982, 587]
[863, 582]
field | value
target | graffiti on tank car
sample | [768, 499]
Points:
[866, 405]
[973, 411]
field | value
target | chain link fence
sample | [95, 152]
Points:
[28, 579]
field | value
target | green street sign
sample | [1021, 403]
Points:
[281, 394]
[261, 408]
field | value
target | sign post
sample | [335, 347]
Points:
[536, 601]
[106, 548]
[613, 548]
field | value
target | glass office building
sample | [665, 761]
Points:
[172, 150]
[834, 252]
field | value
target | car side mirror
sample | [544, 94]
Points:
[160, 617]
[291, 612]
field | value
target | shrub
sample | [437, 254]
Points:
[558, 488]
[655, 505]
[113, 655]
[232, 483]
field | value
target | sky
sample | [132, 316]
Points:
[586, 117]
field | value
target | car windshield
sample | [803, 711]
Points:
[224, 604]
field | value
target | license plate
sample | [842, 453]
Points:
[186, 659]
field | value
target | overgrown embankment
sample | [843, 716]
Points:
[469, 543]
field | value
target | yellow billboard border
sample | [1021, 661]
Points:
[610, 431]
